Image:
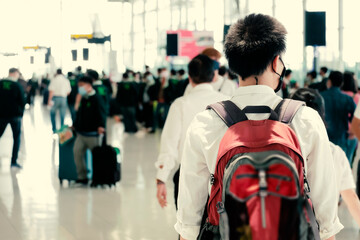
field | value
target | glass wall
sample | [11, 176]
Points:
[145, 22]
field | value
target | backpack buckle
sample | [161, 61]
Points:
[212, 179]
[306, 183]
[220, 207]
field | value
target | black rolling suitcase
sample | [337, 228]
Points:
[106, 165]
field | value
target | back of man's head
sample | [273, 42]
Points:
[59, 71]
[312, 98]
[93, 74]
[212, 53]
[288, 72]
[252, 44]
[323, 70]
[201, 69]
[336, 78]
[222, 70]
[13, 70]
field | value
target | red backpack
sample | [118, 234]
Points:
[258, 186]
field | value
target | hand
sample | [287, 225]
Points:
[181, 238]
[101, 130]
[161, 194]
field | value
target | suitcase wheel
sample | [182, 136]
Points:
[61, 182]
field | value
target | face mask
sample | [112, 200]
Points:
[281, 77]
[82, 91]
[149, 78]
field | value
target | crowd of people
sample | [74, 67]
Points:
[175, 101]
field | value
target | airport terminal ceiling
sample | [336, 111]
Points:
[138, 31]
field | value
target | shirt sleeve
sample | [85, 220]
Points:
[343, 166]
[193, 185]
[170, 142]
[315, 148]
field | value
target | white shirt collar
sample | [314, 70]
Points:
[263, 89]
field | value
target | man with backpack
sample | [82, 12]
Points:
[271, 159]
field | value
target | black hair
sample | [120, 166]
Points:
[78, 68]
[59, 71]
[312, 98]
[159, 70]
[93, 74]
[222, 70]
[147, 74]
[125, 75]
[86, 79]
[14, 70]
[173, 72]
[349, 82]
[313, 74]
[324, 69]
[233, 76]
[70, 74]
[181, 72]
[201, 69]
[252, 44]
[288, 72]
[336, 78]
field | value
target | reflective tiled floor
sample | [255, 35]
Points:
[34, 206]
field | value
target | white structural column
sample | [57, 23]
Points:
[341, 35]
[132, 34]
[204, 14]
[304, 48]
[274, 8]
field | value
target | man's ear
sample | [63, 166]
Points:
[276, 64]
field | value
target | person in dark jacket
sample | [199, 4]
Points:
[100, 88]
[339, 110]
[89, 124]
[127, 98]
[12, 110]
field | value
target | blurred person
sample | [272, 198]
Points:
[89, 124]
[127, 99]
[344, 179]
[310, 78]
[174, 88]
[12, 97]
[322, 85]
[220, 84]
[254, 47]
[181, 113]
[183, 80]
[59, 89]
[107, 83]
[339, 110]
[148, 102]
[350, 88]
[224, 72]
[71, 98]
[100, 88]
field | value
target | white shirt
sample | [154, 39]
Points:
[180, 115]
[343, 172]
[225, 86]
[200, 152]
[60, 86]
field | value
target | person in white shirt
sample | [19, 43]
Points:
[253, 47]
[220, 84]
[181, 113]
[59, 89]
[344, 178]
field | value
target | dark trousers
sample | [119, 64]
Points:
[129, 114]
[176, 186]
[15, 123]
[72, 112]
[149, 115]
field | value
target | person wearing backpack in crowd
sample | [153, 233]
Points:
[127, 98]
[322, 85]
[12, 108]
[339, 111]
[254, 47]
[344, 178]
[182, 111]
[99, 87]
[89, 124]
[59, 89]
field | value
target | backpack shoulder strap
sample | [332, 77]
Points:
[228, 112]
[287, 109]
